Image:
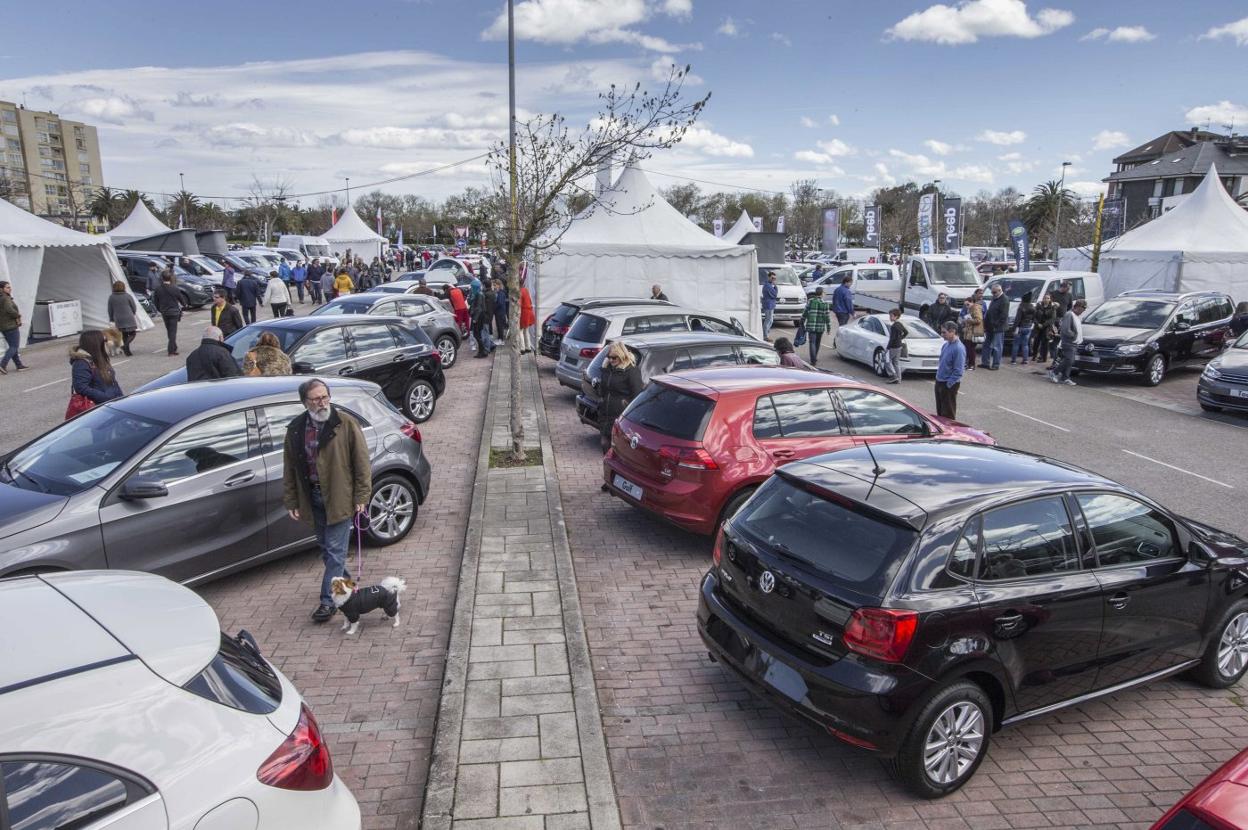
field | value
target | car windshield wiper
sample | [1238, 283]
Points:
[784, 550]
[13, 474]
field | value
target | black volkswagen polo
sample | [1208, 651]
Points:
[390, 351]
[914, 602]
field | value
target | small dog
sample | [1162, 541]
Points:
[113, 338]
[354, 602]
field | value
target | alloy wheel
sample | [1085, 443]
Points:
[954, 742]
[420, 401]
[390, 511]
[446, 350]
[1156, 370]
[1233, 647]
[877, 363]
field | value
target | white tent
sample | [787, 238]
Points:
[738, 231]
[140, 224]
[1200, 245]
[47, 262]
[633, 239]
[351, 232]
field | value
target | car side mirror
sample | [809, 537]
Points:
[143, 487]
[302, 368]
[1180, 325]
[737, 327]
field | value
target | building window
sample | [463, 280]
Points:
[46, 162]
[83, 157]
[58, 165]
[80, 144]
[84, 169]
[22, 202]
[13, 143]
[41, 123]
[11, 129]
[43, 138]
[49, 189]
[86, 181]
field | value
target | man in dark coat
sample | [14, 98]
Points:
[224, 315]
[996, 321]
[212, 359]
[249, 293]
[168, 302]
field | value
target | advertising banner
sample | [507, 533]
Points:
[1113, 214]
[871, 226]
[951, 226]
[758, 224]
[831, 230]
[719, 227]
[927, 206]
[1022, 245]
[780, 224]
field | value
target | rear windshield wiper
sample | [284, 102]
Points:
[785, 551]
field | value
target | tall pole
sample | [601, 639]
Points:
[348, 178]
[1057, 225]
[513, 254]
[182, 196]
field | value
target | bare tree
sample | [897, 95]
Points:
[555, 166]
[265, 204]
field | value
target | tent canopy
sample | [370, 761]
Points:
[139, 224]
[632, 239]
[1201, 245]
[47, 262]
[351, 232]
[738, 231]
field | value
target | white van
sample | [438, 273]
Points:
[791, 303]
[923, 278]
[867, 277]
[1084, 285]
[986, 253]
[312, 247]
[868, 255]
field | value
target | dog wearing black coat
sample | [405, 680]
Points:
[354, 602]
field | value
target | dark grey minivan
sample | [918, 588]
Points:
[186, 481]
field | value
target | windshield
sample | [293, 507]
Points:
[785, 275]
[564, 314]
[1242, 342]
[207, 264]
[1131, 314]
[316, 249]
[1016, 287]
[953, 273]
[345, 307]
[243, 340]
[917, 328]
[588, 328]
[77, 454]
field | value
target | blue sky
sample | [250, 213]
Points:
[980, 94]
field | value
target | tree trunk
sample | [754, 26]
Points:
[515, 412]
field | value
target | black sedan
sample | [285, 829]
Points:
[420, 310]
[389, 351]
[913, 601]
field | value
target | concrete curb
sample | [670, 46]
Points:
[604, 812]
[444, 763]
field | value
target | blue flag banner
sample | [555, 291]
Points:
[1022, 245]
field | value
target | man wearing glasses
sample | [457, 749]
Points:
[327, 479]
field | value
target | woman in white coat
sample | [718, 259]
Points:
[277, 296]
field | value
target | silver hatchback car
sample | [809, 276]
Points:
[186, 481]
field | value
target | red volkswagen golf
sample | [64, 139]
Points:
[693, 446]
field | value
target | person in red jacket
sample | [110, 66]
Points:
[527, 320]
[460, 306]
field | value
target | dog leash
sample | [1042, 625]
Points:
[360, 522]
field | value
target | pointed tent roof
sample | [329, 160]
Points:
[351, 228]
[1207, 220]
[141, 223]
[22, 229]
[738, 231]
[633, 218]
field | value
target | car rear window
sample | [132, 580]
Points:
[855, 549]
[588, 329]
[239, 677]
[670, 411]
[564, 314]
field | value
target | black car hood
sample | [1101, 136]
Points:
[23, 509]
[1114, 335]
[1233, 358]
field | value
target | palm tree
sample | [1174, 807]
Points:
[104, 205]
[1040, 212]
[186, 205]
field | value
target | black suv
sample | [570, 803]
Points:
[557, 324]
[390, 351]
[1149, 332]
[658, 354]
[914, 601]
[195, 290]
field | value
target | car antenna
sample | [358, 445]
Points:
[878, 471]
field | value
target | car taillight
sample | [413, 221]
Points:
[557, 329]
[882, 633]
[302, 762]
[591, 352]
[717, 552]
[411, 431]
[693, 458]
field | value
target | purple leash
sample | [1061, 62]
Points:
[361, 522]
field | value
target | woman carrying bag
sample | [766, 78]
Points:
[92, 376]
[972, 323]
[619, 384]
[123, 313]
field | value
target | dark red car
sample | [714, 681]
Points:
[1220, 802]
[693, 446]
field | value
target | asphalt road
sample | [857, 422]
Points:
[1155, 440]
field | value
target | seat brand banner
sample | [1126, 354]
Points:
[927, 205]
[951, 226]
[831, 230]
[1022, 245]
[871, 226]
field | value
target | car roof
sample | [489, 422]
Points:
[172, 404]
[600, 302]
[935, 475]
[684, 338]
[634, 308]
[760, 379]
[1173, 296]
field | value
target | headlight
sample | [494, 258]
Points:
[1134, 348]
[1212, 372]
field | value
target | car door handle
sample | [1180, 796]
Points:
[346, 370]
[398, 358]
[1118, 601]
[783, 453]
[240, 478]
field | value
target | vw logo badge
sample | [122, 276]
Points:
[634, 441]
[767, 582]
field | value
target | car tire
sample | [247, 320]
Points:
[1210, 407]
[1226, 658]
[877, 363]
[1155, 371]
[734, 504]
[960, 714]
[448, 349]
[392, 510]
[420, 400]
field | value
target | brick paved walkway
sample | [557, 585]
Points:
[519, 742]
[689, 747]
[376, 694]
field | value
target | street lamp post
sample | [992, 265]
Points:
[1057, 224]
[182, 198]
[348, 178]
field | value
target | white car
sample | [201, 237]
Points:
[124, 706]
[866, 339]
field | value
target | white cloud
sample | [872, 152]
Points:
[1086, 189]
[920, 165]
[884, 174]
[836, 147]
[941, 148]
[1237, 31]
[969, 20]
[661, 70]
[111, 109]
[728, 28]
[678, 8]
[1109, 139]
[592, 21]
[782, 39]
[834, 120]
[711, 143]
[1002, 138]
[406, 138]
[1121, 34]
[247, 134]
[820, 159]
[808, 122]
[1223, 112]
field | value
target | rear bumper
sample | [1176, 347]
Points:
[567, 375]
[787, 313]
[587, 411]
[688, 506]
[548, 346]
[842, 696]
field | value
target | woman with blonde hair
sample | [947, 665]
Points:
[619, 384]
[266, 358]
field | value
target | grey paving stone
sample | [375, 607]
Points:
[476, 791]
[537, 685]
[498, 654]
[509, 823]
[559, 735]
[516, 726]
[568, 821]
[494, 671]
[482, 699]
[536, 704]
[533, 636]
[551, 659]
[488, 631]
[529, 623]
[499, 749]
[549, 798]
[535, 773]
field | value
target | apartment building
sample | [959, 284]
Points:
[48, 165]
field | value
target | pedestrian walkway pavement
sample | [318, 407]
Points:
[519, 739]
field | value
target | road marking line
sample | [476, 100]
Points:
[1030, 418]
[1180, 469]
[43, 386]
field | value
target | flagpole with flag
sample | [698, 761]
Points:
[379, 220]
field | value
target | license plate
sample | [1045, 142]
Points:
[628, 487]
[929, 363]
[1239, 393]
[1089, 358]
